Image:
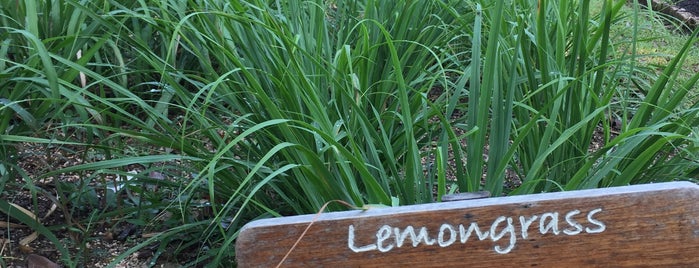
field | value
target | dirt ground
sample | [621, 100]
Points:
[686, 11]
[691, 6]
[95, 243]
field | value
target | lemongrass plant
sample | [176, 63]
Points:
[278, 114]
[274, 108]
[550, 80]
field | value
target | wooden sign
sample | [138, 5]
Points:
[652, 225]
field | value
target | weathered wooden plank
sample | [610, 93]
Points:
[465, 196]
[654, 225]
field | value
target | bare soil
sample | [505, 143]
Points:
[92, 243]
[686, 11]
[691, 6]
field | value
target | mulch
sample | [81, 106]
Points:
[691, 6]
[686, 11]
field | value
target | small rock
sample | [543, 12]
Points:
[38, 261]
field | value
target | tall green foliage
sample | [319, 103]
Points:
[548, 80]
[278, 114]
[277, 107]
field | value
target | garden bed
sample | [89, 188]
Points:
[96, 225]
[686, 11]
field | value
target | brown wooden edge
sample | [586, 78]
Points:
[652, 225]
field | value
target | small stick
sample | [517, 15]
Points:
[311, 223]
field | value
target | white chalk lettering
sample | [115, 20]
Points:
[388, 238]
[509, 228]
[382, 235]
[420, 237]
[452, 235]
[350, 242]
[466, 233]
[600, 225]
[577, 228]
[401, 236]
[552, 224]
[525, 225]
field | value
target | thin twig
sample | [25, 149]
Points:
[309, 227]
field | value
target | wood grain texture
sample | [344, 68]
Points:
[654, 225]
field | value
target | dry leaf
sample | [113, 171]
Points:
[108, 236]
[28, 239]
[4, 224]
[149, 235]
[25, 211]
[83, 78]
[3, 245]
[26, 249]
[53, 208]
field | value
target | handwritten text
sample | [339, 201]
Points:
[388, 237]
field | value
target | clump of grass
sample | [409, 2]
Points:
[277, 108]
[278, 115]
[558, 80]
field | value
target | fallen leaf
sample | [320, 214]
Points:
[4, 224]
[26, 249]
[53, 208]
[108, 236]
[149, 235]
[25, 211]
[24, 243]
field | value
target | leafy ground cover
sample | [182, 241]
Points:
[159, 128]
